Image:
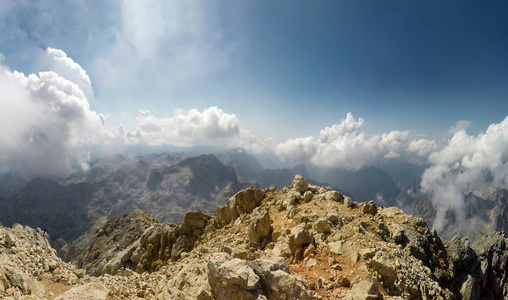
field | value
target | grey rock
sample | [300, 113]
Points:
[334, 196]
[365, 290]
[300, 184]
[307, 196]
[260, 225]
[232, 278]
[10, 240]
[323, 226]
[369, 208]
[382, 264]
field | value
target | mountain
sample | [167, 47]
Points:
[165, 185]
[300, 242]
[367, 183]
[11, 183]
[44, 203]
[245, 164]
[485, 212]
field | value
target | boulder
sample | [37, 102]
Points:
[232, 278]
[260, 226]
[300, 237]
[300, 184]
[369, 208]
[307, 196]
[242, 202]
[382, 264]
[323, 226]
[10, 240]
[195, 220]
[367, 289]
[334, 196]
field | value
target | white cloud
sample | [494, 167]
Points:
[394, 142]
[45, 121]
[210, 126]
[342, 145]
[252, 143]
[57, 60]
[422, 147]
[460, 125]
[465, 164]
[297, 150]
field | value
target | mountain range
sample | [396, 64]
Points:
[167, 185]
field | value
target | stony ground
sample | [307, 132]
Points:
[301, 242]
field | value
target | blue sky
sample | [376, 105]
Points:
[267, 76]
[400, 65]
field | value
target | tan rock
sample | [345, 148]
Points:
[93, 290]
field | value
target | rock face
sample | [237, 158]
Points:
[138, 242]
[301, 242]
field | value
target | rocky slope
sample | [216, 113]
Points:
[301, 242]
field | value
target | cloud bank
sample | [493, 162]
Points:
[459, 162]
[191, 128]
[344, 145]
[48, 127]
[465, 164]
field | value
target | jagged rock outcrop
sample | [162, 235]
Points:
[138, 242]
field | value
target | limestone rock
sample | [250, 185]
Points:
[367, 289]
[300, 184]
[323, 226]
[334, 196]
[369, 208]
[382, 264]
[307, 196]
[299, 238]
[88, 291]
[242, 202]
[232, 278]
[10, 240]
[260, 225]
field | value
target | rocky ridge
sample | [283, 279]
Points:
[301, 242]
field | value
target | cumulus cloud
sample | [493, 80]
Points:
[460, 125]
[45, 121]
[342, 145]
[465, 164]
[297, 150]
[57, 60]
[394, 142]
[422, 147]
[185, 129]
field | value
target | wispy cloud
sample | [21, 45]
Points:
[183, 36]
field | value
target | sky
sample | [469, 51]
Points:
[333, 83]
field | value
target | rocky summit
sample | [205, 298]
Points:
[301, 242]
